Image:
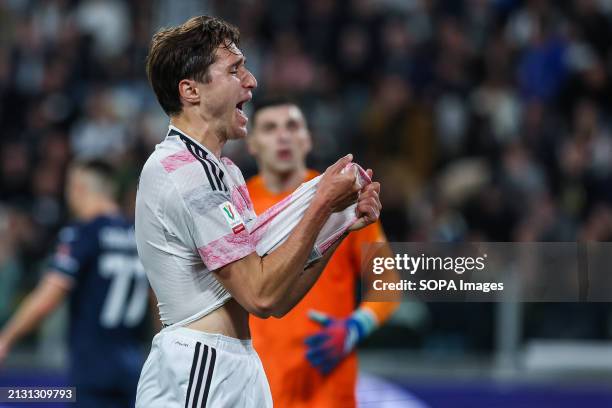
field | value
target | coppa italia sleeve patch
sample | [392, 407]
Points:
[232, 217]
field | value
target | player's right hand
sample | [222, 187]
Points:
[338, 189]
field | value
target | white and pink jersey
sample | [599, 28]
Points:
[193, 213]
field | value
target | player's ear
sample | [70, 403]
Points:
[188, 91]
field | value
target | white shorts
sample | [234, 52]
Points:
[189, 368]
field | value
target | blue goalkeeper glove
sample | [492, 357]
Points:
[338, 337]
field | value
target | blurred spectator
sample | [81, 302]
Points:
[542, 66]
[99, 134]
[15, 168]
[11, 268]
[107, 22]
[288, 68]
[395, 127]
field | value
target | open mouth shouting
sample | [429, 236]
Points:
[239, 109]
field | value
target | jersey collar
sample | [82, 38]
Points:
[174, 131]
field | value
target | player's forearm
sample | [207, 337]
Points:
[37, 305]
[305, 281]
[371, 295]
[372, 298]
[284, 267]
[28, 316]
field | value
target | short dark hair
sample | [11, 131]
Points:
[103, 173]
[272, 101]
[185, 52]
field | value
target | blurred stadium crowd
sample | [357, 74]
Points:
[484, 119]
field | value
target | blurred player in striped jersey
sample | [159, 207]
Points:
[308, 355]
[96, 266]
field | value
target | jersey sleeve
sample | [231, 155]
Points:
[73, 250]
[214, 224]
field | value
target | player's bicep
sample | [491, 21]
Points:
[240, 278]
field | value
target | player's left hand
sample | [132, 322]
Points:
[335, 341]
[368, 205]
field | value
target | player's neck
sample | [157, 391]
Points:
[280, 182]
[200, 131]
[98, 209]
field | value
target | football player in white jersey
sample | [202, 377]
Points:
[194, 232]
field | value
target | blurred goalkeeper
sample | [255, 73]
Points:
[96, 266]
[308, 355]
